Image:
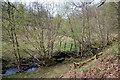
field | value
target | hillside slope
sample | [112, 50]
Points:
[106, 66]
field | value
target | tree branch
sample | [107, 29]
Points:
[101, 3]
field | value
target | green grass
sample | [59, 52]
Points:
[117, 57]
[85, 68]
[114, 52]
[82, 68]
[97, 70]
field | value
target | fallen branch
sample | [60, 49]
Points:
[82, 63]
[32, 55]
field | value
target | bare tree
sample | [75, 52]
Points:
[14, 36]
[83, 25]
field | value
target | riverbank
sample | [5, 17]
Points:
[57, 70]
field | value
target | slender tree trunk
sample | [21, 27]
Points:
[52, 45]
[119, 28]
[48, 44]
[83, 10]
[42, 41]
[89, 38]
[107, 31]
[17, 44]
[13, 42]
[18, 52]
[88, 27]
[13, 35]
[16, 41]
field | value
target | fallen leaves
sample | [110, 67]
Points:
[105, 69]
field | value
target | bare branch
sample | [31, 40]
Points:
[101, 3]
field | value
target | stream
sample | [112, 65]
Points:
[15, 70]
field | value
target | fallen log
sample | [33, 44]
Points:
[82, 63]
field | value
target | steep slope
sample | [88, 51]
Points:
[106, 66]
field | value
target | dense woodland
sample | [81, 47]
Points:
[40, 31]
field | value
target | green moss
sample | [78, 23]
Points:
[99, 60]
[97, 70]
[82, 68]
[117, 57]
[114, 39]
[73, 67]
[114, 52]
[99, 53]
[94, 64]
[89, 60]
[61, 59]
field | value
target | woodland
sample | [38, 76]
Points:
[73, 39]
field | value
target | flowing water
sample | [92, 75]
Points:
[15, 70]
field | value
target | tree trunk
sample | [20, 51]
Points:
[89, 38]
[48, 44]
[119, 27]
[13, 35]
[83, 10]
